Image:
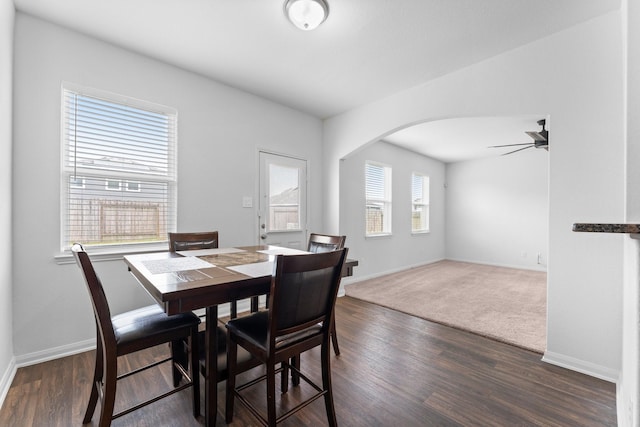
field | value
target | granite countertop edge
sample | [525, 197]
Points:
[606, 228]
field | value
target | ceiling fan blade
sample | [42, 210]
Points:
[538, 136]
[515, 151]
[510, 145]
[542, 144]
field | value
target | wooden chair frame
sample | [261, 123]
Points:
[287, 335]
[326, 242]
[209, 240]
[203, 240]
[110, 346]
[196, 240]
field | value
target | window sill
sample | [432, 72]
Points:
[418, 233]
[115, 253]
[375, 236]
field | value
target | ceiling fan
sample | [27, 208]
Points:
[540, 140]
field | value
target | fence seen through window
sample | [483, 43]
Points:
[119, 172]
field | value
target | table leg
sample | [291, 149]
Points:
[211, 369]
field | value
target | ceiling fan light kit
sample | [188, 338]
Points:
[306, 14]
[540, 140]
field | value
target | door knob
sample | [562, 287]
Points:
[263, 236]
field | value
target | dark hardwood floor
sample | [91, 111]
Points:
[394, 370]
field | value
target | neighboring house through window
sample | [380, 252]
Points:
[119, 169]
[419, 203]
[378, 199]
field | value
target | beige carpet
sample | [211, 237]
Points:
[505, 304]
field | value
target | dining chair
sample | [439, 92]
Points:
[326, 243]
[198, 240]
[302, 300]
[131, 332]
[319, 243]
[209, 240]
[190, 241]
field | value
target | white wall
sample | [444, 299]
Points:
[6, 68]
[498, 210]
[220, 130]
[575, 77]
[628, 391]
[385, 254]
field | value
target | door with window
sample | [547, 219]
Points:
[283, 201]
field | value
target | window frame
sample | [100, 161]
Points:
[425, 204]
[167, 179]
[274, 208]
[127, 186]
[108, 182]
[82, 183]
[385, 200]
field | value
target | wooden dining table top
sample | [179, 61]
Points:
[185, 281]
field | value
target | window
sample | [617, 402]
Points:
[419, 203]
[76, 182]
[113, 185]
[119, 169]
[284, 198]
[378, 199]
[133, 186]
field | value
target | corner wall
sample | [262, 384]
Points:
[628, 391]
[498, 210]
[7, 361]
[220, 130]
[402, 249]
[576, 77]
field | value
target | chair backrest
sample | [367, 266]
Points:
[96, 292]
[325, 243]
[189, 241]
[303, 291]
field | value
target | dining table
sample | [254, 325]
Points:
[181, 282]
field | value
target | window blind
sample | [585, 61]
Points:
[378, 199]
[416, 188]
[119, 170]
[419, 203]
[375, 182]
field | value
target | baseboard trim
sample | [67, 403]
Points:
[7, 380]
[55, 353]
[584, 367]
[90, 344]
[540, 267]
[39, 357]
[346, 281]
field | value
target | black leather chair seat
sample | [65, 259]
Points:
[254, 329]
[245, 360]
[140, 328]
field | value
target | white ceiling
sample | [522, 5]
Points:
[455, 140]
[364, 51]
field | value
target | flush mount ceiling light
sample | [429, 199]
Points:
[306, 14]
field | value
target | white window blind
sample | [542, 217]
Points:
[419, 203]
[119, 169]
[378, 199]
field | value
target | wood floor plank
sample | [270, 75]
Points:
[18, 405]
[53, 405]
[394, 370]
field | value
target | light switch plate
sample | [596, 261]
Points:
[247, 202]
